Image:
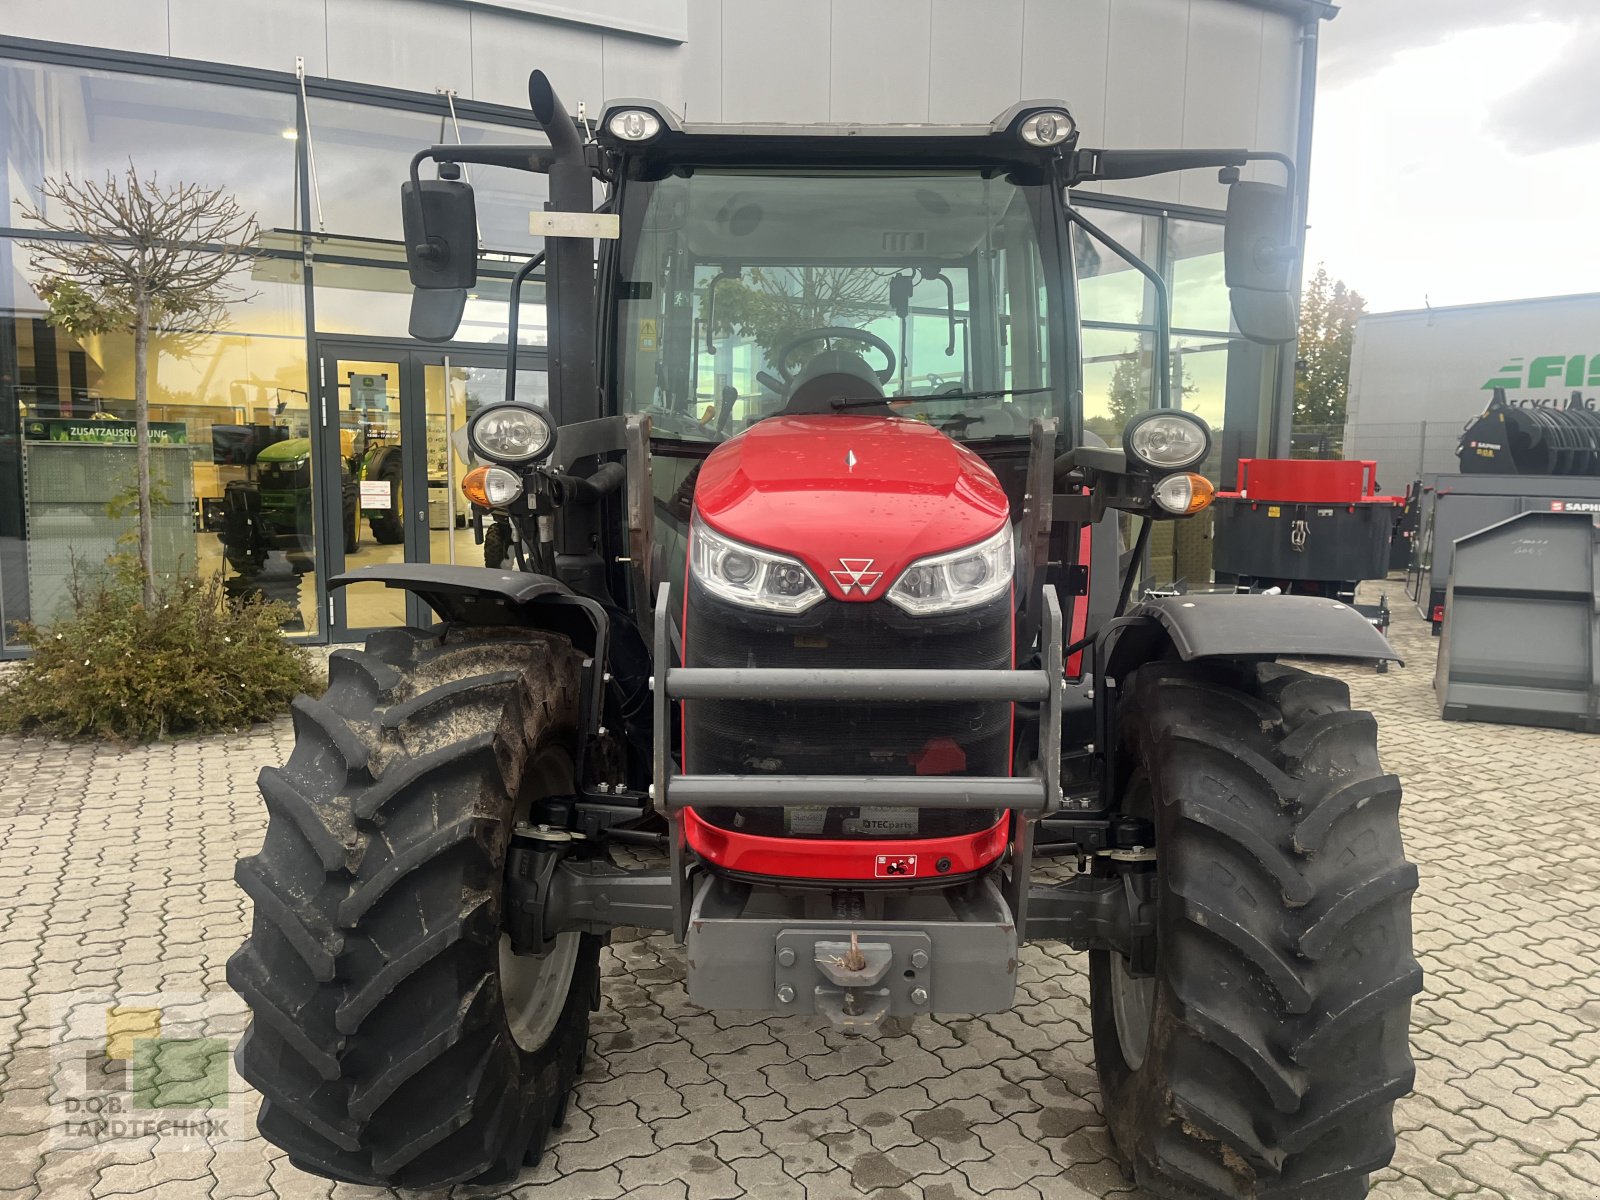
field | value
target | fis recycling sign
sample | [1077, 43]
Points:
[1549, 371]
[108, 433]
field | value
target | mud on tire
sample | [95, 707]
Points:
[1277, 1037]
[380, 1042]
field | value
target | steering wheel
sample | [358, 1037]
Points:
[844, 332]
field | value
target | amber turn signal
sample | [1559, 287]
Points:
[1201, 494]
[472, 486]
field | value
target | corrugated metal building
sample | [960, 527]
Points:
[308, 110]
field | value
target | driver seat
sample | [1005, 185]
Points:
[836, 375]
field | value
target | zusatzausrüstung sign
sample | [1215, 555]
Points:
[113, 433]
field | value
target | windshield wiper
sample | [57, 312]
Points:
[841, 404]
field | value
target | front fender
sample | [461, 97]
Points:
[484, 596]
[1237, 625]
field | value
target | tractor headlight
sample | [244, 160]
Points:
[1167, 440]
[956, 579]
[1048, 127]
[511, 433]
[748, 576]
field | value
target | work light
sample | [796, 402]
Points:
[634, 125]
[511, 434]
[1167, 439]
[1048, 127]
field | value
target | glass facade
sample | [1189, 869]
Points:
[260, 480]
[253, 477]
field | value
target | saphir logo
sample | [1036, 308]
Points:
[157, 1066]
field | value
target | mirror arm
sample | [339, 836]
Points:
[1163, 303]
[514, 304]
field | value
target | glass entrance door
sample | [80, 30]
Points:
[400, 413]
[367, 400]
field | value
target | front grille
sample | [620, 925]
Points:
[792, 738]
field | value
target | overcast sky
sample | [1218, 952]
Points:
[1458, 150]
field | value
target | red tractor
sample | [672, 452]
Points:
[813, 584]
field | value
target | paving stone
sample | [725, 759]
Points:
[124, 888]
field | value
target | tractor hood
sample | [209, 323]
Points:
[857, 499]
[290, 450]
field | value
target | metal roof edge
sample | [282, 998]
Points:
[1306, 10]
[1439, 309]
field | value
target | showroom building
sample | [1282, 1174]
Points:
[307, 111]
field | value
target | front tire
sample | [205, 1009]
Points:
[1264, 1057]
[395, 1040]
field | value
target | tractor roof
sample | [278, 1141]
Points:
[679, 142]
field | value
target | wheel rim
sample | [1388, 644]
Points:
[1133, 999]
[533, 991]
[1132, 1003]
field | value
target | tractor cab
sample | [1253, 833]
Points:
[809, 584]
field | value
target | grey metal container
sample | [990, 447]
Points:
[1521, 643]
[1453, 506]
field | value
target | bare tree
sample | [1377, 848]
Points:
[138, 256]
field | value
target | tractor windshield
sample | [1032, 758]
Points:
[928, 287]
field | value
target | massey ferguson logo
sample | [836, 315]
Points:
[856, 573]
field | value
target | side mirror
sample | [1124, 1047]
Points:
[436, 315]
[440, 218]
[1259, 252]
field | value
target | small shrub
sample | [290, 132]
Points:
[195, 662]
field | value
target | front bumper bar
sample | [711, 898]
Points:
[1027, 797]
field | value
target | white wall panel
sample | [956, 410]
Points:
[400, 43]
[1064, 44]
[506, 48]
[1137, 73]
[1278, 108]
[776, 60]
[702, 83]
[975, 59]
[880, 60]
[633, 66]
[1149, 61]
[139, 26]
[252, 35]
[666, 19]
[1222, 89]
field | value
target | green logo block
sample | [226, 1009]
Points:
[180, 1073]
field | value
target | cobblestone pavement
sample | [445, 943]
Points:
[116, 889]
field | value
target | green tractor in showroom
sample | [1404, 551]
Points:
[848, 648]
[273, 510]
